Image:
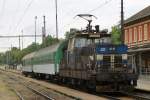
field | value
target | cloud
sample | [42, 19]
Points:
[12, 10]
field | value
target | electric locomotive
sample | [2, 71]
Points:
[88, 58]
[92, 60]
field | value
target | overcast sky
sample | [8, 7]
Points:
[17, 15]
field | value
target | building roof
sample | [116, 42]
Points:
[142, 14]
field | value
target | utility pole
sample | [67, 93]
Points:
[44, 29]
[22, 38]
[19, 43]
[44, 22]
[56, 19]
[35, 28]
[122, 22]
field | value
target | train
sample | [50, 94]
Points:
[88, 58]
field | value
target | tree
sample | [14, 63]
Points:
[49, 40]
[116, 33]
[70, 33]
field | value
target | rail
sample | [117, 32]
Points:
[138, 97]
[39, 93]
[18, 94]
[30, 88]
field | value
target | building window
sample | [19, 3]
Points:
[145, 32]
[130, 35]
[135, 34]
[140, 33]
[126, 36]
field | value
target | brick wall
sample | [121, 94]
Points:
[137, 34]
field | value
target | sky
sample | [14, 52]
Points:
[18, 15]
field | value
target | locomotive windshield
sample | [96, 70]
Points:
[82, 42]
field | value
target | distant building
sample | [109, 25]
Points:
[137, 37]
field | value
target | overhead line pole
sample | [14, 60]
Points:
[35, 28]
[122, 22]
[22, 38]
[56, 19]
[19, 43]
[43, 29]
[16, 36]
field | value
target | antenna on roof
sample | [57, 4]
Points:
[87, 17]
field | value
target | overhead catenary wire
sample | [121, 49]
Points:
[100, 6]
[24, 13]
[16, 36]
[92, 10]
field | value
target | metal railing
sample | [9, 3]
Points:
[145, 71]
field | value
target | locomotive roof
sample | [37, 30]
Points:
[91, 35]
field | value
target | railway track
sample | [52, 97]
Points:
[138, 96]
[33, 89]
[18, 94]
[38, 89]
[40, 93]
[124, 96]
[118, 96]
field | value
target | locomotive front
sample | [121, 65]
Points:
[112, 67]
[107, 64]
[92, 59]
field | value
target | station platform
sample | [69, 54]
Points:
[143, 82]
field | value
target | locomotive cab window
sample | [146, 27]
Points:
[82, 42]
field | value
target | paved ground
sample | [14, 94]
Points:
[144, 82]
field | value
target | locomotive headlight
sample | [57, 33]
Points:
[125, 65]
[124, 56]
[91, 57]
[99, 57]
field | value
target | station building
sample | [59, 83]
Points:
[137, 37]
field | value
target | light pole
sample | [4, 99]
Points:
[56, 19]
[122, 22]
[35, 28]
[22, 38]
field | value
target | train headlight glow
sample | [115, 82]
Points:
[124, 65]
[124, 56]
[91, 57]
[99, 57]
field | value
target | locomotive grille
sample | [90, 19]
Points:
[106, 62]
